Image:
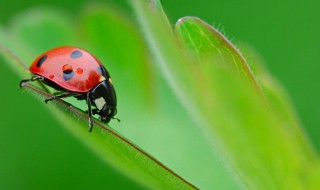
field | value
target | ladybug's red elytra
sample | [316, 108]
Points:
[77, 73]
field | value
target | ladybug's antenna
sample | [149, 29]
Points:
[116, 119]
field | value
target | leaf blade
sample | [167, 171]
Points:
[225, 106]
[210, 43]
[115, 149]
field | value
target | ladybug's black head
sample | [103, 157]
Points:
[104, 99]
[107, 113]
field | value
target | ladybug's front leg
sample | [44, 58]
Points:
[94, 111]
[33, 78]
[89, 112]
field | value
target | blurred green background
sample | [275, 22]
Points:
[286, 33]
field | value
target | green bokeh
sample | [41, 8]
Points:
[286, 33]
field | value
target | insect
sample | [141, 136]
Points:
[76, 73]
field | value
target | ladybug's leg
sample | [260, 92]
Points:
[94, 111]
[89, 112]
[61, 96]
[33, 78]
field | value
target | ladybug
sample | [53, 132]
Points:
[74, 72]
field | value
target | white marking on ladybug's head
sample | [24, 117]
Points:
[110, 80]
[102, 78]
[100, 102]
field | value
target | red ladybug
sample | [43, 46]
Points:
[77, 73]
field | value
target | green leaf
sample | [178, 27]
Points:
[9, 56]
[111, 35]
[115, 149]
[205, 42]
[40, 29]
[244, 130]
[106, 142]
[147, 111]
[278, 99]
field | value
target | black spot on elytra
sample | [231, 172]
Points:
[67, 71]
[99, 70]
[41, 61]
[102, 71]
[68, 74]
[76, 54]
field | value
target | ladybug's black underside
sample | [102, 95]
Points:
[104, 90]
